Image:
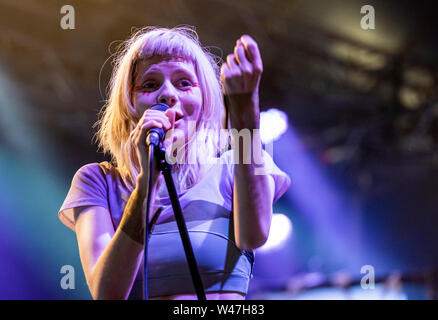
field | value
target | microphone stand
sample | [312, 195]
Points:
[165, 168]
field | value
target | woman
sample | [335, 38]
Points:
[227, 207]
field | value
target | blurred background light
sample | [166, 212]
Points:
[357, 131]
[281, 230]
[273, 123]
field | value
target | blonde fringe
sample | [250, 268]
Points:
[116, 118]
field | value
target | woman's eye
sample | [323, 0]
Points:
[184, 83]
[150, 85]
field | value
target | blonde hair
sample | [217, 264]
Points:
[117, 117]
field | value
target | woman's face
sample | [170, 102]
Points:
[174, 82]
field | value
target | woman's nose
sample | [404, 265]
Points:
[167, 95]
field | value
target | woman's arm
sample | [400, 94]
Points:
[111, 259]
[253, 196]
[253, 193]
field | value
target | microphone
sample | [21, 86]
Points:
[155, 135]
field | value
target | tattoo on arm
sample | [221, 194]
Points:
[132, 220]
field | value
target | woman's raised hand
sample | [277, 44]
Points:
[240, 78]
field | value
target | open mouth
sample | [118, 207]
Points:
[178, 119]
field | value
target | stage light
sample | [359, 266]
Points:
[273, 123]
[410, 98]
[367, 59]
[281, 230]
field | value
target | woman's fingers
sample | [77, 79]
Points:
[151, 124]
[233, 66]
[253, 52]
[139, 133]
[150, 119]
[242, 70]
[171, 116]
[157, 116]
[240, 56]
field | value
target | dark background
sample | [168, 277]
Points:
[361, 148]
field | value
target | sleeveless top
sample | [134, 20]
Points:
[207, 210]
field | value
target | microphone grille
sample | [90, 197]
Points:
[160, 107]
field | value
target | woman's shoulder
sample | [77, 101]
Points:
[99, 169]
[95, 167]
[107, 167]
